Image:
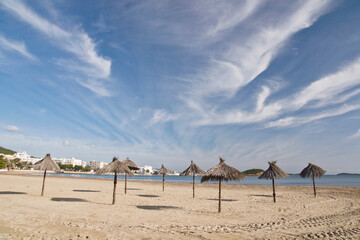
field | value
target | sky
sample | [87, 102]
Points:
[166, 82]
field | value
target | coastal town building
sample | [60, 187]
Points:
[146, 169]
[24, 157]
[72, 161]
[96, 165]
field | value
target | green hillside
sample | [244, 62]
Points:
[254, 171]
[6, 151]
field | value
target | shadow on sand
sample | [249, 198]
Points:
[148, 195]
[225, 200]
[134, 189]
[80, 190]
[10, 192]
[150, 207]
[68, 200]
[260, 195]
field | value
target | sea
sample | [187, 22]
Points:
[342, 180]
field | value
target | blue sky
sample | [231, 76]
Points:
[173, 81]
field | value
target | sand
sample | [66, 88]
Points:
[75, 208]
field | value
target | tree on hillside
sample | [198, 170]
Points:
[253, 171]
[7, 151]
[2, 164]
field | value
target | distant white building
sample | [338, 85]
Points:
[95, 164]
[76, 162]
[24, 157]
[60, 160]
[146, 169]
[72, 161]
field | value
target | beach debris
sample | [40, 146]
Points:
[46, 164]
[271, 173]
[115, 167]
[222, 172]
[132, 166]
[193, 170]
[312, 171]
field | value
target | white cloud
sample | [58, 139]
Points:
[89, 63]
[330, 86]
[296, 121]
[11, 128]
[17, 46]
[356, 135]
[194, 24]
[66, 143]
[95, 86]
[328, 90]
[261, 98]
[240, 64]
[161, 115]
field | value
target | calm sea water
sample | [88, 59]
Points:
[292, 180]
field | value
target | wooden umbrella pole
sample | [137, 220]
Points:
[313, 177]
[194, 185]
[163, 181]
[219, 195]
[43, 185]
[114, 192]
[274, 195]
[125, 183]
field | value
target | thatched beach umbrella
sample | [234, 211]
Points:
[132, 166]
[271, 173]
[116, 167]
[163, 171]
[46, 164]
[193, 169]
[312, 171]
[222, 172]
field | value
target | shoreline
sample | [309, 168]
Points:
[307, 183]
[200, 185]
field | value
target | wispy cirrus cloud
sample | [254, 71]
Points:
[160, 115]
[88, 62]
[190, 24]
[327, 91]
[17, 46]
[242, 63]
[356, 135]
[296, 121]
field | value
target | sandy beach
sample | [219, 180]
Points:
[74, 208]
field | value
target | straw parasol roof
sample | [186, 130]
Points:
[273, 172]
[130, 164]
[312, 170]
[223, 172]
[46, 164]
[163, 170]
[116, 167]
[193, 169]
